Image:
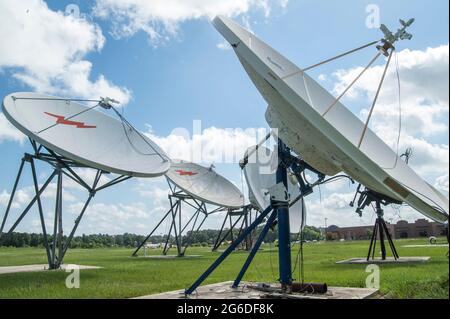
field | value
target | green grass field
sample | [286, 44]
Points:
[123, 276]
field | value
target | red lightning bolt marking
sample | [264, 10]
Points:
[62, 120]
[184, 173]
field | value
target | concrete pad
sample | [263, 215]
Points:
[425, 246]
[171, 257]
[223, 290]
[389, 260]
[34, 268]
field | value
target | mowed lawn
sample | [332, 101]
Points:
[123, 276]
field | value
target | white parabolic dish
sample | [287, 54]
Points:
[205, 184]
[329, 142]
[93, 138]
[260, 174]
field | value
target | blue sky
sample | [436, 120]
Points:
[182, 75]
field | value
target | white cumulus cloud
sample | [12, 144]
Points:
[212, 145]
[160, 19]
[46, 51]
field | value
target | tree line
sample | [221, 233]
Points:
[201, 238]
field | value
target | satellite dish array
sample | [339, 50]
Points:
[316, 133]
[69, 135]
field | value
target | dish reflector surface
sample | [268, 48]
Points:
[327, 142]
[205, 184]
[260, 174]
[93, 138]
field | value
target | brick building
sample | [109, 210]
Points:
[402, 229]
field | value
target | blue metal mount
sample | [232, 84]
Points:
[277, 210]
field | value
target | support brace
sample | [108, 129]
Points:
[177, 199]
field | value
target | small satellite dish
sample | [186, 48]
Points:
[91, 138]
[205, 184]
[328, 139]
[260, 174]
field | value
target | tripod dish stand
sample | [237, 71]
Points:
[380, 229]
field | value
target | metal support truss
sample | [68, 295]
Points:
[182, 234]
[242, 218]
[55, 243]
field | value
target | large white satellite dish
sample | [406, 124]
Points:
[205, 184]
[91, 138]
[260, 174]
[327, 138]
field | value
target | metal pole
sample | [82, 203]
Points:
[374, 233]
[383, 247]
[11, 198]
[255, 249]
[217, 242]
[77, 222]
[375, 101]
[229, 230]
[165, 249]
[92, 193]
[117, 180]
[41, 214]
[351, 84]
[284, 234]
[60, 221]
[227, 252]
[390, 241]
[151, 233]
[55, 224]
[178, 235]
[188, 239]
[47, 182]
[339, 56]
[374, 249]
[190, 220]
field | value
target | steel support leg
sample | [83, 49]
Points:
[254, 250]
[218, 241]
[41, 213]
[177, 235]
[227, 252]
[58, 207]
[232, 227]
[166, 249]
[390, 241]
[77, 222]
[11, 198]
[152, 232]
[189, 236]
[374, 234]
[205, 211]
[60, 225]
[382, 244]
